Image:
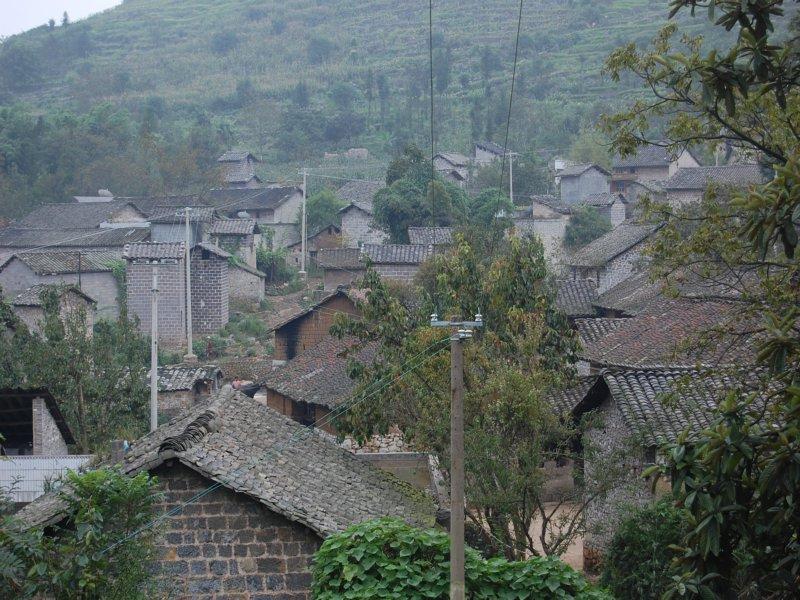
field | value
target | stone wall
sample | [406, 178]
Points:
[358, 228]
[170, 404]
[551, 233]
[299, 411]
[171, 300]
[575, 189]
[47, 438]
[333, 278]
[245, 286]
[306, 331]
[404, 273]
[227, 546]
[677, 198]
[210, 293]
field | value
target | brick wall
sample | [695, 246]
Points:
[306, 331]
[404, 273]
[358, 228]
[171, 300]
[210, 293]
[299, 411]
[47, 438]
[170, 404]
[227, 546]
[333, 278]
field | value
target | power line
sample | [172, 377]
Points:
[511, 96]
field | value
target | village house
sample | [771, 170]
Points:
[688, 185]
[638, 412]
[340, 266]
[84, 215]
[358, 225]
[308, 327]
[611, 206]
[168, 224]
[35, 446]
[313, 383]
[649, 163]
[329, 236]
[547, 219]
[181, 387]
[241, 237]
[90, 271]
[167, 260]
[210, 279]
[576, 182]
[636, 190]
[29, 305]
[14, 240]
[238, 170]
[275, 209]
[397, 262]
[246, 283]
[485, 153]
[435, 236]
[280, 490]
[453, 167]
[613, 257]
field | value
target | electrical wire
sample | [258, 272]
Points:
[511, 96]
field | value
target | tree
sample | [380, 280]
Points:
[586, 224]
[64, 19]
[343, 95]
[300, 95]
[222, 42]
[319, 50]
[738, 479]
[384, 94]
[94, 553]
[322, 209]
[51, 24]
[590, 147]
[512, 367]
[489, 208]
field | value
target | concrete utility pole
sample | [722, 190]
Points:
[511, 156]
[303, 229]
[462, 331]
[154, 352]
[190, 356]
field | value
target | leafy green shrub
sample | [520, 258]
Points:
[387, 558]
[273, 264]
[638, 562]
[585, 225]
[89, 555]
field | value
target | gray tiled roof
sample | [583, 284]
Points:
[319, 375]
[238, 172]
[629, 297]
[491, 147]
[360, 193]
[176, 378]
[339, 258]
[565, 401]
[430, 235]
[699, 177]
[232, 200]
[580, 169]
[17, 237]
[171, 214]
[233, 227]
[455, 159]
[592, 330]
[147, 204]
[33, 295]
[154, 250]
[603, 199]
[73, 215]
[659, 404]
[645, 156]
[574, 297]
[395, 254]
[251, 449]
[236, 156]
[610, 245]
[56, 263]
[213, 249]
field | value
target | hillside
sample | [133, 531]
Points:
[296, 78]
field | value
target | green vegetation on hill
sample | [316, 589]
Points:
[294, 79]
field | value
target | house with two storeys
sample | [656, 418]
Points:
[576, 182]
[358, 225]
[649, 163]
[689, 185]
[238, 170]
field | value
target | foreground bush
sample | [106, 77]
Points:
[388, 559]
[638, 561]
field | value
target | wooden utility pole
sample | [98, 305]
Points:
[190, 356]
[462, 331]
[154, 352]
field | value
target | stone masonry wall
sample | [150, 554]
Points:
[47, 438]
[210, 294]
[619, 269]
[170, 404]
[245, 285]
[333, 278]
[303, 333]
[575, 189]
[171, 300]
[228, 546]
[404, 273]
[358, 228]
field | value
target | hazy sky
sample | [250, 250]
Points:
[19, 15]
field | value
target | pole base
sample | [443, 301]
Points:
[303, 275]
[190, 358]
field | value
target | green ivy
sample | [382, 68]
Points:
[387, 558]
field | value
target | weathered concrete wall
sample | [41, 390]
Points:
[226, 545]
[47, 438]
[358, 228]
